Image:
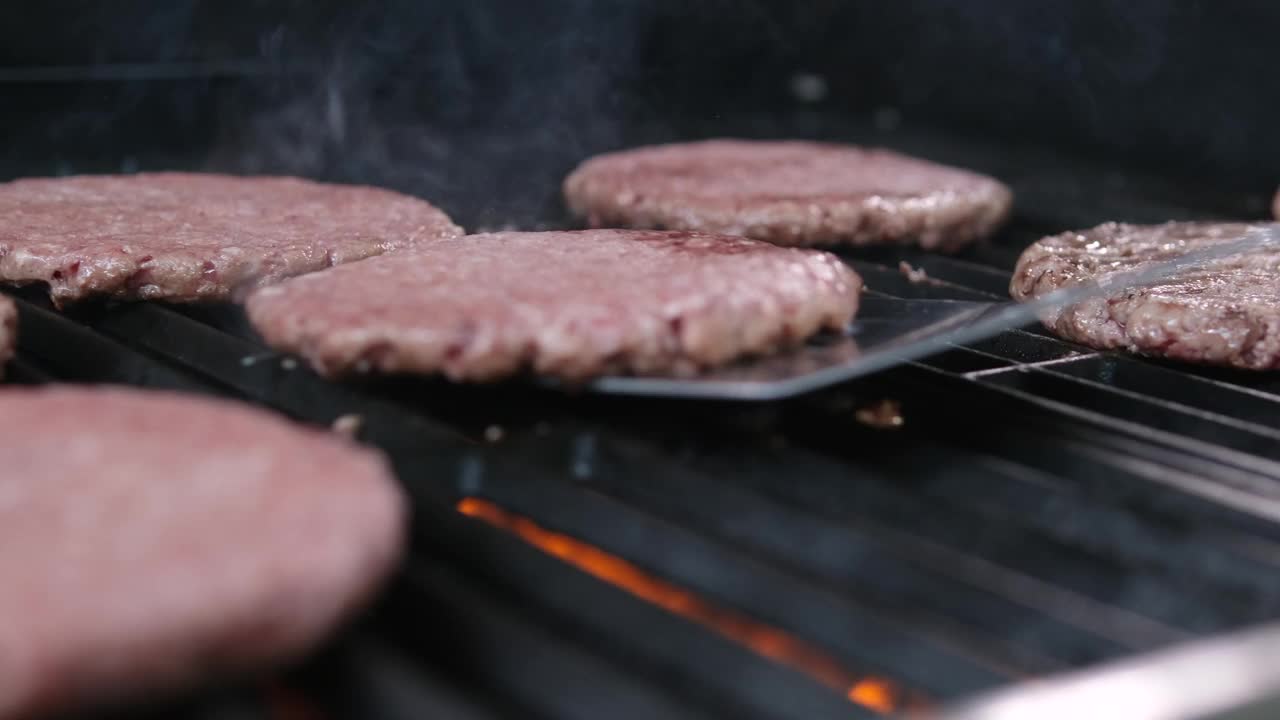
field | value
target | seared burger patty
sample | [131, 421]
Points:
[184, 237]
[567, 304]
[1225, 314]
[149, 540]
[789, 193]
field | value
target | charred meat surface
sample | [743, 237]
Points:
[571, 305]
[187, 237]
[1227, 313]
[789, 193]
[151, 540]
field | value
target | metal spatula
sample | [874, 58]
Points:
[890, 332]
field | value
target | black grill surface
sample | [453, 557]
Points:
[1042, 507]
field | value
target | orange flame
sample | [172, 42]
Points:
[873, 693]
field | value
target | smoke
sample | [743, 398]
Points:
[479, 107]
[483, 105]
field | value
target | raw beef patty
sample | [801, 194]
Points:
[1227, 313]
[184, 237]
[8, 331]
[566, 304]
[151, 539]
[789, 193]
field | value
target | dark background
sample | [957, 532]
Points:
[483, 105]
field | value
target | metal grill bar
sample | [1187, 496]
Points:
[816, 613]
[674, 652]
[449, 622]
[920, 580]
[872, 503]
[363, 676]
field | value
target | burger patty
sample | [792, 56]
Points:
[8, 331]
[567, 304]
[789, 193]
[148, 539]
[185, 237]
[1226, 313]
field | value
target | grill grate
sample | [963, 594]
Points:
[1042, 508]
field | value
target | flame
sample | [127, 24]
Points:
[876, 694]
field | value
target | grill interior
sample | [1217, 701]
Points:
[1042, 507]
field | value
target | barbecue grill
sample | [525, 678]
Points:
[1014, 528]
